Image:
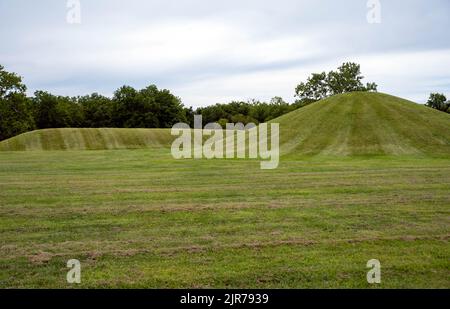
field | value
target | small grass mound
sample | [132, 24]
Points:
[88, 139]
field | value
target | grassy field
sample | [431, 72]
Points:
[362, 176]
[137, 218]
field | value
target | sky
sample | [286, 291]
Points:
[210, 51]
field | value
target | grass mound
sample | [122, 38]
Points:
[362, 123]
[88, 139]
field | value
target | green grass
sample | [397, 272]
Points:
[87, 139]
[362, 123]
[363, 176]
[137, 218]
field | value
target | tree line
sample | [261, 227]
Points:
[151, 107]
[439, 101]
[319, 86]
[128, 108]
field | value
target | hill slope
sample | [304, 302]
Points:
[357, 123]
[362, 123]
[89, 139]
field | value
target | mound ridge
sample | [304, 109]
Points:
[88, 139]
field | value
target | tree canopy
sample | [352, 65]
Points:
[15, 112]
[439, 101]
[318, 86]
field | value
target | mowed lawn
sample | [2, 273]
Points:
[138, 218]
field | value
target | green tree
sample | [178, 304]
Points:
[15, 116]
[10, 83]
[223, 122]
[315, 88]
[146, 108]
[168, 107]
[46, 111]
[438, 101]
[189, 115]
[53, 111]
[371, 87]
[346, 79]
[124, 105]
[318, 86]
[278, 107]
[213, 113]
[260, 111]
[15, 112]
[97, 111]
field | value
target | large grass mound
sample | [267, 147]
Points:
[88, 139]
[362, 123]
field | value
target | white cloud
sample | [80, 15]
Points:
[208, 52]
[411, 75]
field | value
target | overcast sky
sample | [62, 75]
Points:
[208, 51]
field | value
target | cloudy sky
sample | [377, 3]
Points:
[209, 51]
